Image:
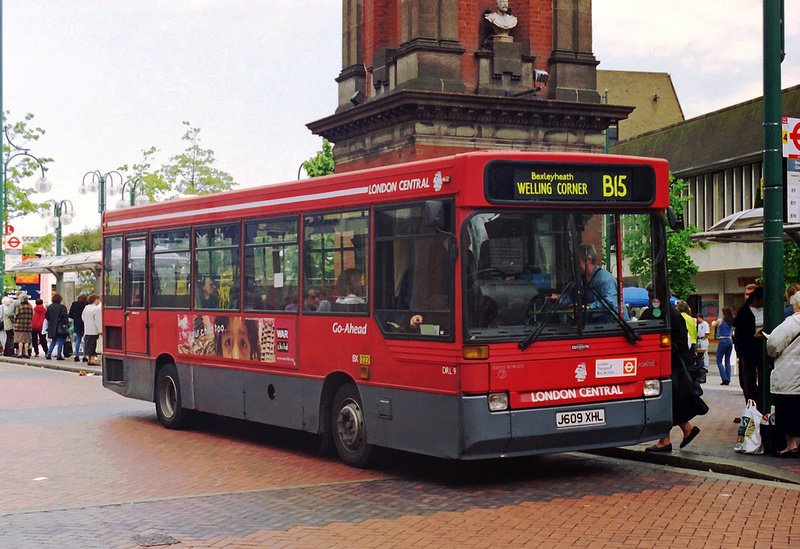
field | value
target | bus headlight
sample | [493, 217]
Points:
[652, 387]
[498, 402]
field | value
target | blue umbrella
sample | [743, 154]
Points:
[635, 297]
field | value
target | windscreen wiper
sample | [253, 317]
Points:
[630, 333]
[534, 335]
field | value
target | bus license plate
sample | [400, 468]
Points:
[580, 419]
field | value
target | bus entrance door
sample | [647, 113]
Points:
[136, 326]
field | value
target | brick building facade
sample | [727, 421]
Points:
[424, 78]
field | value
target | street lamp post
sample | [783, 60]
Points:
[97, 183]
[135, 200]
[63, 212]
[42, 185]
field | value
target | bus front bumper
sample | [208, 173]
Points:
[550, 430]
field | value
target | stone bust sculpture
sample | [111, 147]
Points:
[502, 21]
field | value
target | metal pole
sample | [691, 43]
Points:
[101, 197]
[3, 169]
[57, 213]
[773, 179]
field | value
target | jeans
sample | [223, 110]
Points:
[78, 339]
[53, 342]
[724, 348]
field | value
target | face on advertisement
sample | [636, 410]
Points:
[235, 341]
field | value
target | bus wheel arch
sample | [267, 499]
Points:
[167, 397]
[348, 427]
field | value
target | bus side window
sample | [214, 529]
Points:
[335, 262]
[414, 273]
[170, 272]
[112, 271]
[271, 265]
[216, 267]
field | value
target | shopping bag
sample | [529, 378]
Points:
[749, 436]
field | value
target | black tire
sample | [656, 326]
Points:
[348, 427]
[169, 406]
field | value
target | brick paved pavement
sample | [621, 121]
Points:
[110, 476]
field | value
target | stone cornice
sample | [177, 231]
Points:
[408, 106]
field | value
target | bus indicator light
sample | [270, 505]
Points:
[475, 352]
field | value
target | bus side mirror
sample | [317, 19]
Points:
[434, 217]
[675, 222]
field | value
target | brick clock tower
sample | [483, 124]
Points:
[429, 78]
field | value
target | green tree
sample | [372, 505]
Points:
[680, 266]
[22, 167]
[43, 245]
[791, 263]
[322, 163]
[192, 172]
[89, 240]
[152, 183]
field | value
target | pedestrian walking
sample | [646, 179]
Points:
[784, 346]
[37, 328]
[703, 330]
[93, 327]
[57, 318]
[686, 390]
[23, 318]
[724, 328]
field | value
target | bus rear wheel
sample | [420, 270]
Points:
[168, 398]
[348, 427]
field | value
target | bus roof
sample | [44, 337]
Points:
[420, 180]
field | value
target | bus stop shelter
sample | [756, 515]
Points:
[57, 265]
[745, 226]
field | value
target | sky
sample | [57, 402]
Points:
[107, 79]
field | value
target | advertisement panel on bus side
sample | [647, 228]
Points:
[238, 338]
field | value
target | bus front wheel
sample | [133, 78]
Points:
[348, 427]
[168, 398]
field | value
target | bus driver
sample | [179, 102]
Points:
[596, 282]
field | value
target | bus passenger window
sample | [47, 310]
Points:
[112, 271]
[170, 273]
[335, 262]
[414, 274]
[271, 265]
[216, 267]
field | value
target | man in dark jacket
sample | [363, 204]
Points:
[749, 343]
[75, 312]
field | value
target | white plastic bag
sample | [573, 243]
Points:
[749, 436]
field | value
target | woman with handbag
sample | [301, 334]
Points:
[57, 318]
[686, 391]
[784, 345]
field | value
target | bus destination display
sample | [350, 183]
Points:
[561, 183]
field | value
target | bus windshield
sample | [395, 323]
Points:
[556, 274]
